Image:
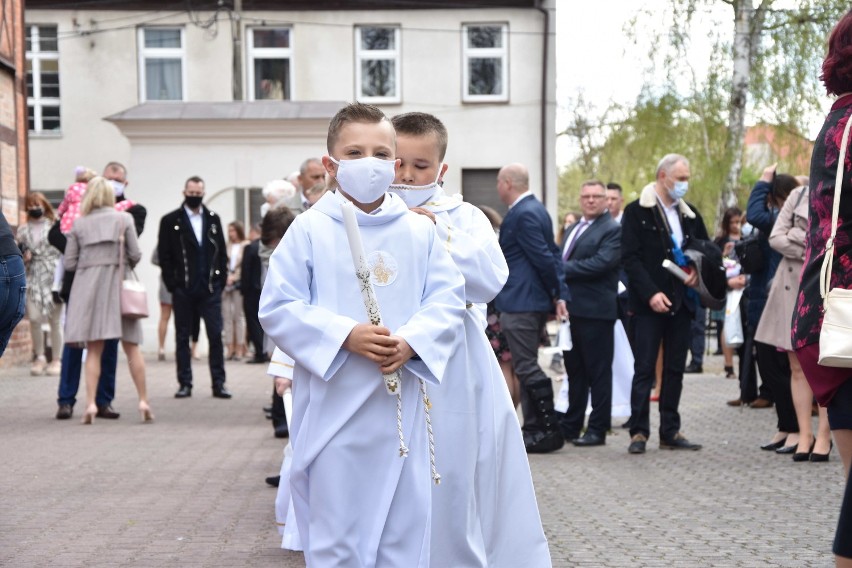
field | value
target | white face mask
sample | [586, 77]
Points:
[366, 179]
[679, 189]
[117, 187]
[416, 195]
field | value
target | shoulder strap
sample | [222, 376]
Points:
[828, 260]
[120, 247]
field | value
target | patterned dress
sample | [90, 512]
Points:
[807, 318]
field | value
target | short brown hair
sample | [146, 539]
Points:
[591, 182]
[421, 124]
[355, 112]
[274, 224]
[116, 167]
[193, 179]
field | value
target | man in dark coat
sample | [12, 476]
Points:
[194, 264]
[655, 228]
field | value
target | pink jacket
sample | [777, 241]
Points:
[69, 209]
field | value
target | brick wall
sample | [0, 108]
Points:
[20, 348]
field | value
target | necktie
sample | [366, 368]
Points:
[574, 238]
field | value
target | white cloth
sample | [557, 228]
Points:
[196, 221]
[356, 502]
[622, 373]
[485, 511]
[282, 365]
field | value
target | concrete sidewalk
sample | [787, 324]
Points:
[188, 489]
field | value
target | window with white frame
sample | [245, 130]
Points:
[270, 55]
[162, 65]
[377, 66]
[42, 79]
[485, 65]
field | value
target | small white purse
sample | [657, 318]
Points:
[835, 340]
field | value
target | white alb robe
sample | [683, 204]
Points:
[281, 365]
[484, 512]
[357, 502]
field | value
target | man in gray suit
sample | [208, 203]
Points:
[591, 254]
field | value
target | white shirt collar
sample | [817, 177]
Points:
[192, 213]
[521, 196]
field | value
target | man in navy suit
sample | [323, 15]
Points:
[591, 255]
[535, 288]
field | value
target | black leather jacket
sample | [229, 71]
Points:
[178, 250]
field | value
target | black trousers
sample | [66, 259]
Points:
[749, 390]
[774, 369]
[187, 306]
[251, 306]
[673, 331]
[523, 334]
[279, 416]
[589, 368]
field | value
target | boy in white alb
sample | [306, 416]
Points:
[357, 502]
[484, 513]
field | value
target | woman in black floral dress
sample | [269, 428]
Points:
[832, 386]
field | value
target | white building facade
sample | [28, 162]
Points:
[241, 94]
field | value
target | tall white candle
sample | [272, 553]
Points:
[362, 273]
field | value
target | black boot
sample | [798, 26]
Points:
[547, 437]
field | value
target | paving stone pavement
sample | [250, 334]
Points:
[188, 489]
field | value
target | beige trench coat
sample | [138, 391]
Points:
[788, 238]
[94, 309]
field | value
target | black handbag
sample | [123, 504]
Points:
[750, 254]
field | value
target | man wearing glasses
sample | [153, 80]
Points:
[591, 255]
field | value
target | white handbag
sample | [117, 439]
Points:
[133, 297]
[835, 340]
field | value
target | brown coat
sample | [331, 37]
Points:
[788, 238]
[94, 310]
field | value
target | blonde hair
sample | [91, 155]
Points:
[99, 193]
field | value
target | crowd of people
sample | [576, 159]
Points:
[368, 314]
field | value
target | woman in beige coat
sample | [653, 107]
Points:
[94, 309]
[788, 238]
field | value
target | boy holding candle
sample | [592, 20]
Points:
[484, 513]
[356, 501]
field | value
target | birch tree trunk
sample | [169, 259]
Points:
[748, 25]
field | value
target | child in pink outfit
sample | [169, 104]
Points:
[69, 209]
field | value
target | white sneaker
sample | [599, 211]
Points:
[54, 369]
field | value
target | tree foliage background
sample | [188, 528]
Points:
[763, 68]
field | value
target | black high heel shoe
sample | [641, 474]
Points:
[804, 456]
[787, 449]
[773, 445]
[815, 457]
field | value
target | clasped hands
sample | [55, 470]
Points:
[376, 343]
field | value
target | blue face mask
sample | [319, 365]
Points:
[679, 189]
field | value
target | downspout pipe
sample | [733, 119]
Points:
[543, 109]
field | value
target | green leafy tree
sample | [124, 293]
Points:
[767, 61]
